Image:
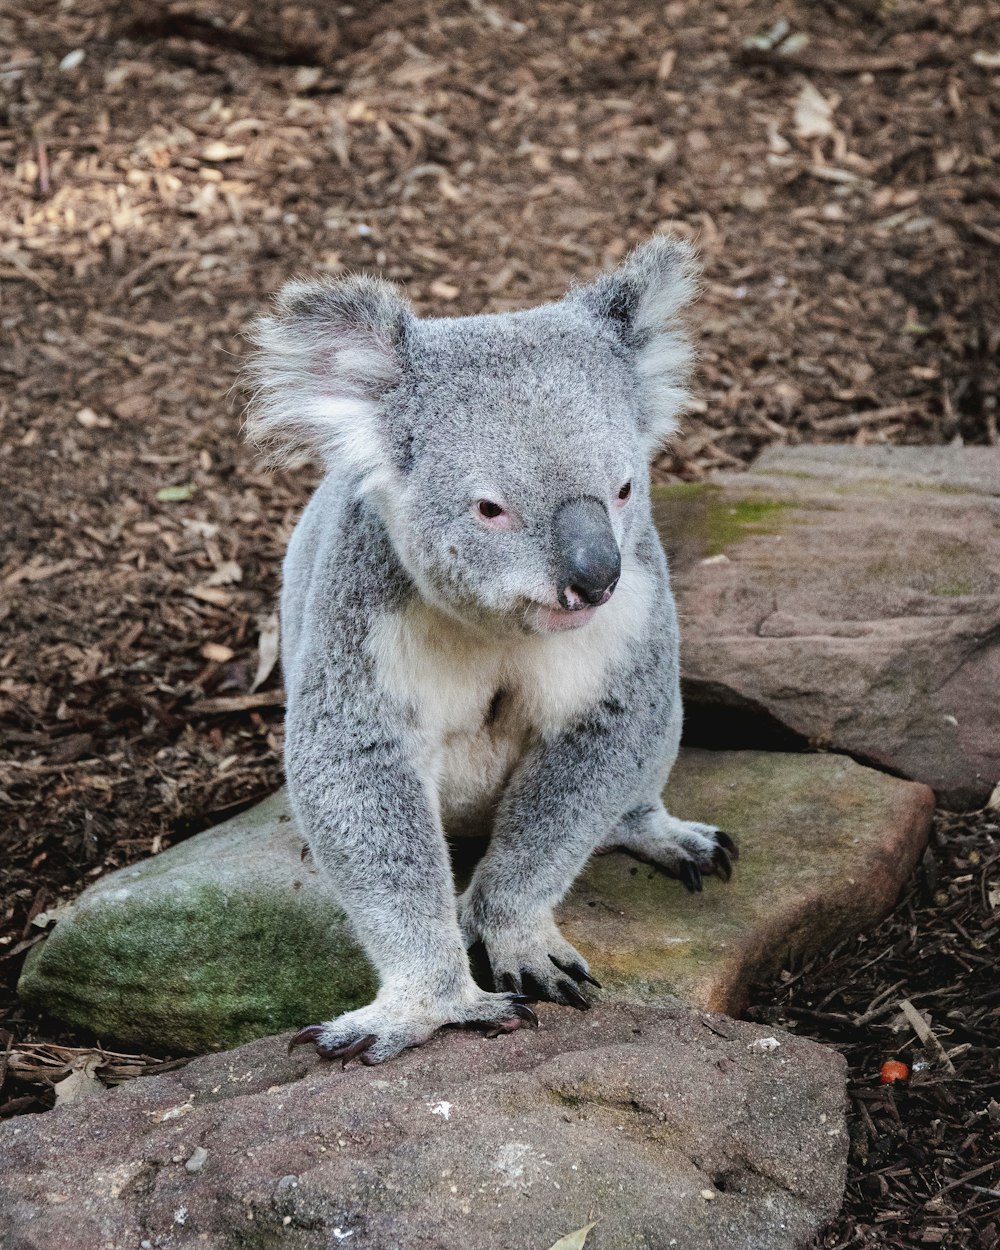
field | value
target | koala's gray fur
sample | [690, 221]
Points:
[433, 682]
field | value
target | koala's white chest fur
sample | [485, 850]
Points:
[480, 703]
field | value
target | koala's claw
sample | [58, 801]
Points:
[524, 1012]
[685, 850]
[384, 1029]
[309, 1034]
[577, 971]
[690, 876]
[722, 864]
[727, 843]
[346, 1053]
[573, 996]
[561, 991]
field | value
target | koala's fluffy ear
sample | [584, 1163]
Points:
[641, 299]
[324, 359]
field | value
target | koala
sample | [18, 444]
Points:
[478, 631]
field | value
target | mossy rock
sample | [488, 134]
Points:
[227, 937]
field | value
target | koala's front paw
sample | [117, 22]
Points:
[390, 1025]
[539, 964]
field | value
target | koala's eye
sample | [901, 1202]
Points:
[494, 515]
[625, 492]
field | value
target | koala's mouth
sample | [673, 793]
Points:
[553, 620]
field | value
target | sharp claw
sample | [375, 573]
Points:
[356, 1048]
[510, 983]
[727, 843]
[722, 864]
[304, 1036]
[573, 996]
[576, 971]
[524, 1012]
[690, 875]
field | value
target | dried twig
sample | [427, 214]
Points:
[926, 1034]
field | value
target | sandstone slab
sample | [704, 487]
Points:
[231, 935]
[851, 596]
[665, 1127]
[826, 846]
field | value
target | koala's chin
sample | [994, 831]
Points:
[478, 632]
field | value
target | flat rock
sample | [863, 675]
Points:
[231, 935]
[851, 597]
[826, 846]
[665, 1127]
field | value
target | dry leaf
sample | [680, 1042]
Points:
[169, 1113]
[267, 649]
[574, 1241]
[89, 419]
[217, 652]
[227, 573]
[175, 494]
[666, 65]
[211, 594]
[813, 114]
[444, 290]
[219, 151]
[81, 1082]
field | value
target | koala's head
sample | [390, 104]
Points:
[507, 454]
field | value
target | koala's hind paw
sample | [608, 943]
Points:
[684, 849]
[381, 1031]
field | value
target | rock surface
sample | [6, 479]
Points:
[852, 596]
[230, 935]
[826, 846]
[226, 937]
[667, 1128]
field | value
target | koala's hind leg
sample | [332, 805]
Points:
[685, 849]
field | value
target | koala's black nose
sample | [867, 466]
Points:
[588, 562]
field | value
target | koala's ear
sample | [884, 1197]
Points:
[324, 360]
[641, 300]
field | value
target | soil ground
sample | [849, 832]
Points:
[165, 167]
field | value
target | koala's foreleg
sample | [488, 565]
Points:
[375, 833]
[565, 801]
[562, 800]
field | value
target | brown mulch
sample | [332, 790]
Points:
[165, 166]
[925, 1152]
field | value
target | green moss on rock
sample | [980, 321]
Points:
[699, 519]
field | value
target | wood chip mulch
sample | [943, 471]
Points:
[922, 989]
[166, 165]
